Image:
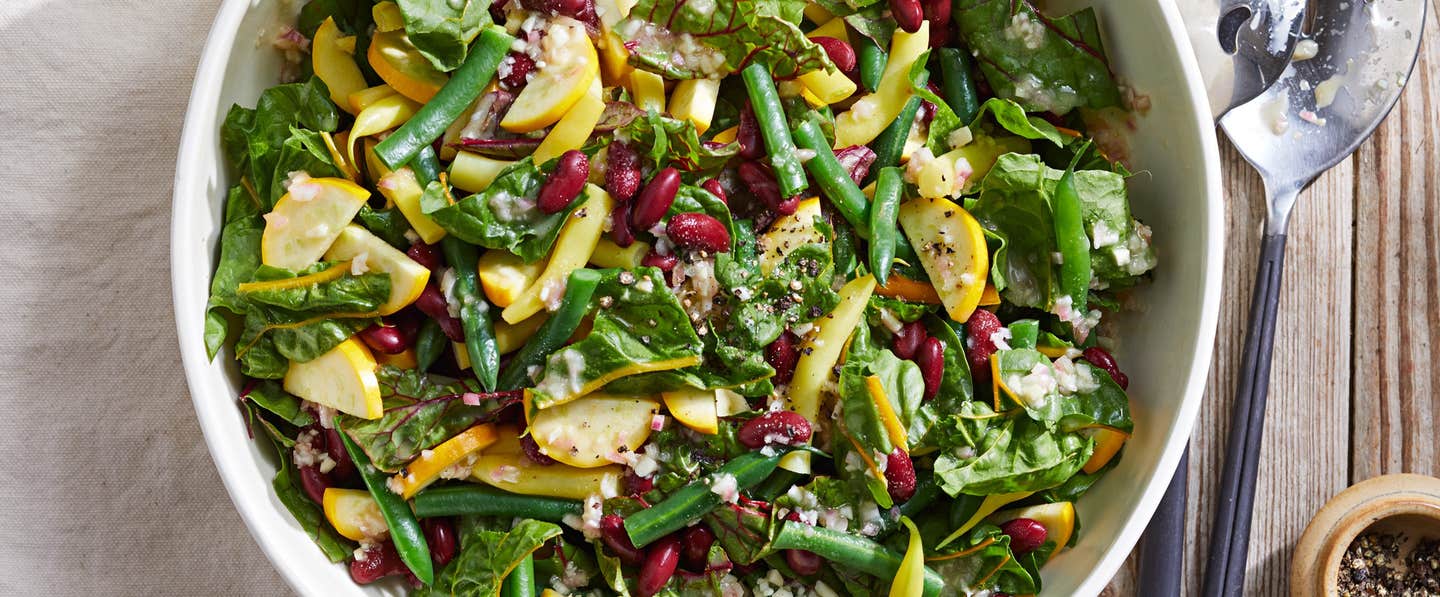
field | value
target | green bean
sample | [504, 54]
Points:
[430, 343]
[883, 229]
[834, 180]
[465, 84]
[692, 502]
[872, 59]
[958, 88]
[1024, 333]
[849, 551]
[554, 332]
[775, 485]
[521, 580]
[481, 500]
[405, 530]
[480, 343]
[890, 145]
[770, 115]
[1070, 237]
[426, 166]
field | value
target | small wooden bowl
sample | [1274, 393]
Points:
[1409, 504]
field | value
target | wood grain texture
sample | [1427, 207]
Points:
[1397, 283]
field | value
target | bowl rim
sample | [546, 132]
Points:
[258, 510]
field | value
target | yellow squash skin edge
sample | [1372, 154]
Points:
[870, 114]
[819, 353]
[427, 468]
[910, 579]
[334, 65]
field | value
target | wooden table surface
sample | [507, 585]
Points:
[1354, 380]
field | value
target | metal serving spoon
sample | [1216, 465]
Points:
[1316, 115]
[1243, 47]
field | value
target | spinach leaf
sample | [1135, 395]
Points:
[1012, 117]
[612, 572]
[261, 144]
[761, 307]
[900, 309]
[487, 556]
[689, 40]
[1013, 206]
[1014, 454]
[722, 365]
[421, 411]
[944, 121]
[442, 31]
[986, 564]
[1052, 65]
[569, 561]
[684, 456]
[665, 141]
[288, 489]
[388, 224]
[239, 257]
[643, 329]
[503, 216]
[1067, 395]
[904, 389]
[270, 396]
[300, 322]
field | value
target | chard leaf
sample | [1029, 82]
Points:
[442, 31]
[742, 531]
[718, 38]
[987, 563]
[722, 365]
[643, 329]
[503, 216]
[304, 151]
[1012, 117]
[288, 489]
[904, 389]
[487, 556]
[1046, 65]
[239, 257]
[1014, 454]
[255, 139]
[760, 307]
[303, 322]
[665, 141]
[421, 411]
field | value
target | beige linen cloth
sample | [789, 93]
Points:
[106, 487]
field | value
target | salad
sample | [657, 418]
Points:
[664, 297]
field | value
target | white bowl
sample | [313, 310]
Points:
[1165, 346]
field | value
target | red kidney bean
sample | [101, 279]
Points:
[899, 476]
[857, 160]
[909, 339]
[440, 536]
[635, 484]
[565, 183]
[622, 172]
[777, 427]
[532, 451]
[978, 345]
[931, 359]
[432, 303]
[804, 563]
[698, 231]
[1025, 535]
[839, 52]
[344, 469]
[761, 182]
[612, 532]
[695, 548]
[1101, 358]
[940, 34]
[752, 145]
[788, 206]
[937, 12]
[380, 560]
[425, 255]
[713, 186]
[655, 199]
[661, 559]
[518, 71]
[620, 232]
[927, 108]
[908, 14]
[384, 339]
[782, 354]
[314, 483]
[664, 262]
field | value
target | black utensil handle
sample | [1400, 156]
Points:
[1162, 554]
[1230, 533]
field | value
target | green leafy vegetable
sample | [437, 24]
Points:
[643, 329]
[239, 257]
[300, 323]
[665, 141]
[1051, 65]
[420, 412]
[288, 490]
[760, 307]
[266, 143]
[442, 31]
[503, 216]
[1012, 117]
[271, 397]
[982, 560]
[719, 38]
[1013, 454]
[388, 224]
[487, 556]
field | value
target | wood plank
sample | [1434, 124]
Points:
[1397, 285]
